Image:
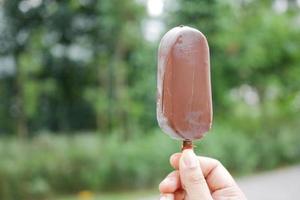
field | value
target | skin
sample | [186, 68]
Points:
[198, 178]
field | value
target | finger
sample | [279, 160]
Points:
[179, 195]
[192, 178]
[174, 160]
[217, 177]
[167, 197]
[171, 183]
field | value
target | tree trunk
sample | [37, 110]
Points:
[21, 121]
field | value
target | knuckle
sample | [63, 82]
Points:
[216, 162]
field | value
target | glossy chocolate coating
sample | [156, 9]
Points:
[184, 103]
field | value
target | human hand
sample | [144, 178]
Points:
[198, 178]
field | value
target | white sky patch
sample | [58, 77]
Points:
[152, 29]
[26, 5]
[280, 6]
[155, 7]
[58, 50]
[74, 52]
[7, 66]
[22, 36]
[246, 93]
[79, 53]
[2, 19]
[251, 96]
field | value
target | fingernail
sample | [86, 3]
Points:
[166, 197]
[189, 158]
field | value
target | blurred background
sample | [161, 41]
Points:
[78, 89]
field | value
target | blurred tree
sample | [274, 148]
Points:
[15, 41]
[72, 60]
[251, 44]
[84, 65]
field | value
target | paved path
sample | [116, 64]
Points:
[281, 184]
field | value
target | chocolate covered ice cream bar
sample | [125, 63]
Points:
[184, 100]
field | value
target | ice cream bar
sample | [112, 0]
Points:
[184, 102]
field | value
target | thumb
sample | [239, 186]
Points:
[192, 178]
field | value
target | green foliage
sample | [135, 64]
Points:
[250, 44]
[84, 65]
[73, 64]
[46, 165]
